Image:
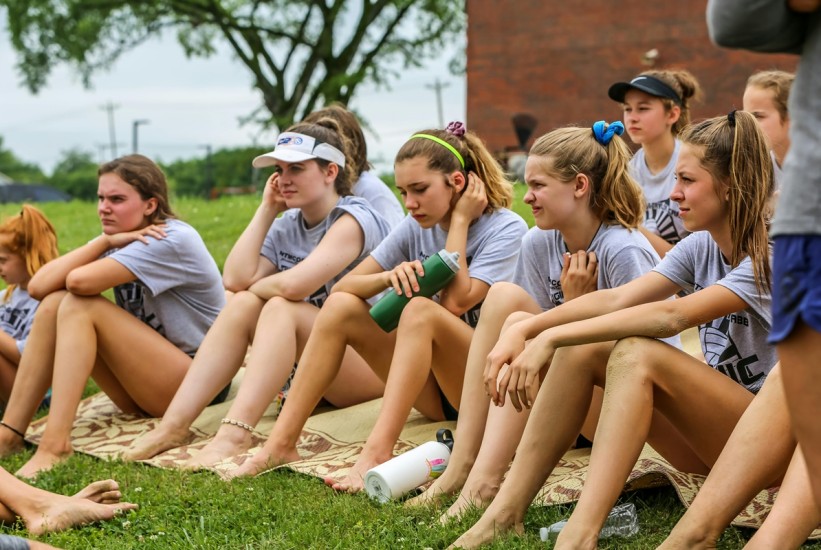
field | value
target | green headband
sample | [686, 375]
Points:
[443, 143]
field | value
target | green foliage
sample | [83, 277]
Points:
[301, 54]
[17, 169]
[76, 174]
[224, 168]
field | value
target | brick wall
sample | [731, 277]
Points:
[556, 60]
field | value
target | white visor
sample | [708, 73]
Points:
[294, 147]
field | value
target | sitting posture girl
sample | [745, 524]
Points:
[168, 292]
[281, 270]
[766, 97]
[655, 393]
[587, 209]
[27, 242]
[457, 197]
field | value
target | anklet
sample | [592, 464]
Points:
[15, 430]
[237, 423]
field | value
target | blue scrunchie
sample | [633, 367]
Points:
[604, 133]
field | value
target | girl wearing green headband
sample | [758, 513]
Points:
[457, 198]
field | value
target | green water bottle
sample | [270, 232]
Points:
[439, 269]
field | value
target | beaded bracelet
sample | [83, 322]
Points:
[238, 424]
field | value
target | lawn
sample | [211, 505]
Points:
[281, 509]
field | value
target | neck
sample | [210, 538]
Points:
[658, 152]
[319, 210]
[723, 238]
[23, 285]
[581, 231]
[780, 152]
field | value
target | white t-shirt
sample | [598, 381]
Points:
[493, 244]
[376, 192]
[735, 344]
[661, 216]
[17, 315]
[178, 291]
[290, 240]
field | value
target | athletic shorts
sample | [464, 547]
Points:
[796, 284]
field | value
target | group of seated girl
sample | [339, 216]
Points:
[578, 317]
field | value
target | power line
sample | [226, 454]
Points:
[112, 135]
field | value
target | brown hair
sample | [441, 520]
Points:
[328, 130]
[32, 237]
[147, 178]
[477, 160]
[350, 128]
[687, 88]
[779, 83]
[615, 197]
[734, 150]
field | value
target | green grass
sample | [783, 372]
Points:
[281, 509]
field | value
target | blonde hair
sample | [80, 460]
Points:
[734, 150]
[777, 82]
[615, 197]
[327, 130]
[476, 156]
[31, 236]
[351, 130]
[685, 85]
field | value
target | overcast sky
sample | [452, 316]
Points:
[190, 103]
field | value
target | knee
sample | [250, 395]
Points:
[341, 307]
[242, 304]
[419, 313]
[277, 305]
[628, 358]
[50, 304]
[72, 305]
[505, 297]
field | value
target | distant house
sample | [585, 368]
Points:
[15, 191]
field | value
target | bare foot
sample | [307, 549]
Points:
[577, 538]
[487, 529]
[58, 512]
[156, 441]
[263, 461]
[355, 480]
[229, 441]
[449, 483]
[10, 442]
[42, 461]
[106, 491]
[690, 537]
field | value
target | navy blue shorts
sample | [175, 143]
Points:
[796, 284]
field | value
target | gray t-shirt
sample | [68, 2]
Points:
[289, 240]
[770, 26]
[17, 315]
[380, 196]
[178, 291]
[492, 248]
[735, 344]
[10, 542]
[661, 216]
[622, 254]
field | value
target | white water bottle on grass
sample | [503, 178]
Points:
[622, 521]
[411, 469]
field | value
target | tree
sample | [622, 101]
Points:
[76, 174]
[301, 54]
[17, 169]
[228, 168]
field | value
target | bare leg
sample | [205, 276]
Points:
[44, 512]
[794, 514]
[799, 359]
[96, 336]
[749, 463]
[562, 404]
[217, 361]
[502, 300]
[34, 374]
[430, 355]
[8, 371]
[342, 321]
[701, 407]
[283, 329]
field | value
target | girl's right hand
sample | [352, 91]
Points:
[508, 347]
[119, 240]
[271, 195]
[403, 278]
[580, 274]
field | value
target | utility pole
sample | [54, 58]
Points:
[437, 87]
[134, 130]
[112, 136]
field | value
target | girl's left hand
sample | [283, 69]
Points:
[522, 378]
[580, 274]
[473, 201]
[119, 240]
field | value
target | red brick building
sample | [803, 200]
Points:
[555, 60]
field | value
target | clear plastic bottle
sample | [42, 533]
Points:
[622, 521]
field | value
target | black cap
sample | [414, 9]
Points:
[645, 83]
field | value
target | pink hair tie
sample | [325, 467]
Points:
[456, 128]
